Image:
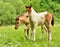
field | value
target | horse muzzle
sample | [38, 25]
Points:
[15, 28]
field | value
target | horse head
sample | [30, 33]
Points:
[21, 19]
[16, 23]
[28, 10]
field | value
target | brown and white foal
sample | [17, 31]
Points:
[43, 18]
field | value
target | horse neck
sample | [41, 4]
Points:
[33, 14]
[33, 11]
[23, 20]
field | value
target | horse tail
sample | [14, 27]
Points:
[52, 22]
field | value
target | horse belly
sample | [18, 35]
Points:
[41, 21]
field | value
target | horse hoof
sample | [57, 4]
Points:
[27, 37]
[33, 40]
[49, 39]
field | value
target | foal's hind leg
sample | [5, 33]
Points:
[49, 32]
[42, 30]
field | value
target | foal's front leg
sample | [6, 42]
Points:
[33, 33]
[26, 32]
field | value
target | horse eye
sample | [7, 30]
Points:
[27, 16]
[17, 22]
[17, 19]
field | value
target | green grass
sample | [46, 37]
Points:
[9, 37]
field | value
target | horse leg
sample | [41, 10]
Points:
[45, 29]
[49, 32]
[26, 30]
[28, 26]
[33, 33]
[42, 28]
[25, 33]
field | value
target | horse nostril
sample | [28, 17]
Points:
[15, 28]
[27, 16]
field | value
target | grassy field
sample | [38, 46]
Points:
[9, 37]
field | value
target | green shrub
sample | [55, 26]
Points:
[9, 9]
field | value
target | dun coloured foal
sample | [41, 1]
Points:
[23, 19]
[43, 18]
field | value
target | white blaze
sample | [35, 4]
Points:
[26, 13]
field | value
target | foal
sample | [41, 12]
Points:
[44, 18]
[23, 19]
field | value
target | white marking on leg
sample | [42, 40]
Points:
[34, 34]
[47, 35]
[26, 13]
[50, 36]
[42, 28]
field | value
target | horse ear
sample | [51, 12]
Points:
[28, 6]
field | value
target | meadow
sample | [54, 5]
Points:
[9, 37]
[9, 9]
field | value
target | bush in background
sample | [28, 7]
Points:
[9, 9]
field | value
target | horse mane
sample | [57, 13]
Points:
[21, 14]
[34, 11]
[17, 18]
